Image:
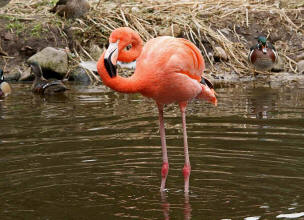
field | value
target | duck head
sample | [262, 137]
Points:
[262, 44]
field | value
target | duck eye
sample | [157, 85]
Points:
[128, 47]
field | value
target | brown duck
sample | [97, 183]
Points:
[43, 86]
[263, 55]
[5, 88]
[71, 8]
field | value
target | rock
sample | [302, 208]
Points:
[26, 75]
[95, 52]
[225, 31]
[52, 59]
[300, 57]
[135, 10]
[283, 78]
[220, 54]
[79, 75]
[13, 75]
[278, 66]
[300, 66]
[89, 65]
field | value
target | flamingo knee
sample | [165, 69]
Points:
[186, 171]
[165, 169]
[164, 173]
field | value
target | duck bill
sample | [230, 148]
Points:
[208, 95]
[110, 59]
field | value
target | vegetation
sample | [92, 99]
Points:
[231, 25]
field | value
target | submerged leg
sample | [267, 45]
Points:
[187, 167]
[165, 166]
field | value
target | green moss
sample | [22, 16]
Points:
[37, 30]
[15, 25]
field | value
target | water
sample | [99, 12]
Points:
[95, 154]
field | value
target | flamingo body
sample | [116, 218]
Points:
[168, 70]
[165, 65]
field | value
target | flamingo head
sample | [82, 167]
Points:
[208, 94]
[125, 46]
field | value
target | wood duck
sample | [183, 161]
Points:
[71, 8]
[5, 88]
[43, 86]
[263, 55]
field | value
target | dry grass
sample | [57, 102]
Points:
[229, 24]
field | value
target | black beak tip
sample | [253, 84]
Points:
[111, 69]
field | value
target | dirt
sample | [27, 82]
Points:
[20, 46]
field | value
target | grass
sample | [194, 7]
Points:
[15, 26]
[36, 30]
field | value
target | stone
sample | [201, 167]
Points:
[52, 59]
[95, 52]
[13, 75]
[135, 10]
[300, 66]
[80, 75]
[26, 75]
[220, 54]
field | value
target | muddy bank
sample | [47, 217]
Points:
[232, 26]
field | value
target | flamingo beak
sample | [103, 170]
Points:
[110, 59]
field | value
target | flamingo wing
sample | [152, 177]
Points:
[169, 64]
[173, 55]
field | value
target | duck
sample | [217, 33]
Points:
[71, 8]
[45, 87]
[5, 88]
[4, 2]
[263, 55]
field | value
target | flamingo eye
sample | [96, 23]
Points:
[127, 48]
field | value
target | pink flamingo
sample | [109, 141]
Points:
[168, 70]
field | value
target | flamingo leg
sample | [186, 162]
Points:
[187, 167]
[165, 166]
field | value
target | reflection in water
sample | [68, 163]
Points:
[166, 206]
[91, 156]
[187, 207]
[262, 101]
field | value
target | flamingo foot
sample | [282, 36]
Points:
[164, 173]
[186, 172]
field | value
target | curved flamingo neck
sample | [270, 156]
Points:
[118, 83]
